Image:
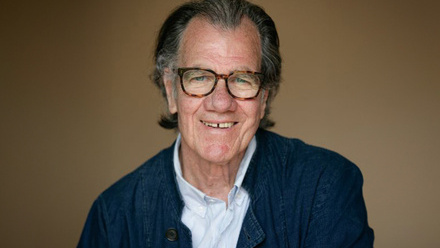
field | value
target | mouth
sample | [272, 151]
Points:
[221, 125]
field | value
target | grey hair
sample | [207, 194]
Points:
[227, 14]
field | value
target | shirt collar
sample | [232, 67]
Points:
[195, 199]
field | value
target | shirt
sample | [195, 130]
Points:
[213, 224]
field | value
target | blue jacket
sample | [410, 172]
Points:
[301, 196]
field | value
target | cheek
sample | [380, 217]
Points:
[254, 113]
[188, 107]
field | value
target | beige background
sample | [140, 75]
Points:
[78, 110]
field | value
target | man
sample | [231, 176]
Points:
[226, 182]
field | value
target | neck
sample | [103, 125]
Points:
[213, 179]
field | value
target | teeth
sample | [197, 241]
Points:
[219, 125]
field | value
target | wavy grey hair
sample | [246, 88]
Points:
[227, 14]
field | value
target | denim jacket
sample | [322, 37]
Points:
[301, 196]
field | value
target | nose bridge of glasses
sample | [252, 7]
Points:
[222, 76]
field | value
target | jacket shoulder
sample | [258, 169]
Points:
[294, 156]
[137, 183]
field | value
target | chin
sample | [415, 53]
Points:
[219, 154]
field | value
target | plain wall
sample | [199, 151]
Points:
[78, 110]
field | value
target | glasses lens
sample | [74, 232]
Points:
[244, 84]
[198, 82]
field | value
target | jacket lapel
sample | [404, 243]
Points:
[251, 233]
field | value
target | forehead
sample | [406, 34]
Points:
[203, 41]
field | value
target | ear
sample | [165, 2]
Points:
[168, 83]
[265, 95]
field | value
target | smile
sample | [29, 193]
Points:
[219, 125]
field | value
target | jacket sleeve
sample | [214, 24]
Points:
[339, 216]
[94, 233]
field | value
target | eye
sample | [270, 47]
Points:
[241, 80]
[245, 80]
[199, 78]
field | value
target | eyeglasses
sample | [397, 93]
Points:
[198, 82]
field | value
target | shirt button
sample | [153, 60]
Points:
[171, 234]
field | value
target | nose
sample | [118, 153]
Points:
[220, 100]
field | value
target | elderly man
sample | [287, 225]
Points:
[226, 182]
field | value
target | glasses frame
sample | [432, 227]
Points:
[182, 70]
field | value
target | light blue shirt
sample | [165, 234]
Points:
[212, 222]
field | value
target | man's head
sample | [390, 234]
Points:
[225, 15]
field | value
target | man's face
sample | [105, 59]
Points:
[223, 51]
